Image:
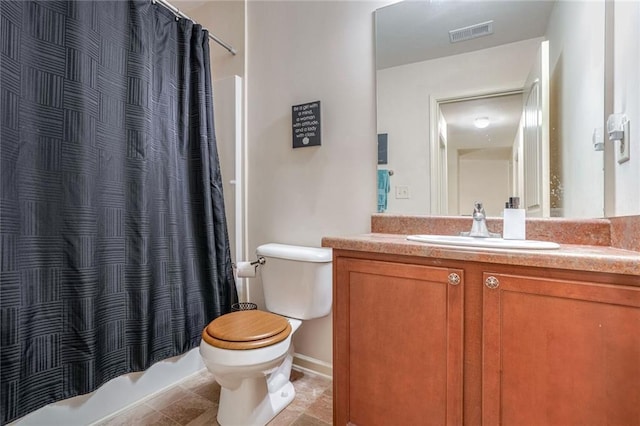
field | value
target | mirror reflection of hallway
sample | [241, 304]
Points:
[482, 162]
[409, 88]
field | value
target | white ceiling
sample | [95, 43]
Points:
[503, 113]
[414, 31]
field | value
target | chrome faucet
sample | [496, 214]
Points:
[479, 224]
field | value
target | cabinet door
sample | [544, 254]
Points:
[560, 352]
[398, 331]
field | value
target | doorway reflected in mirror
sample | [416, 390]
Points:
[413, 78]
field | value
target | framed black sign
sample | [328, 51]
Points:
[382, 148]
[305, 120]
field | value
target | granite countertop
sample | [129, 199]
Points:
[593, 258]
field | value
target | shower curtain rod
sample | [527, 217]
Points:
[179, 13]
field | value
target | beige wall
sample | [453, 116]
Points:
[226, 20]
[300, 52]
[483, 179]
[576, 48]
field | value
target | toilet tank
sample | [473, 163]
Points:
[297, 280]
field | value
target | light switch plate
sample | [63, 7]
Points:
[622, 146]
[402, 192]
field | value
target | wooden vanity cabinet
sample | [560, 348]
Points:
[398, 336]
[559, 352]
[505, 345]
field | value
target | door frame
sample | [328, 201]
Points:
[439, 189]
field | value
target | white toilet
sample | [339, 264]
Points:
[250, 353]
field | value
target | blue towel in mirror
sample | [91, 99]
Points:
[383, 189]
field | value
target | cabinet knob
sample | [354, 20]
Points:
[454, 279]
[492, 282]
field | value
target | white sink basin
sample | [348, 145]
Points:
[455, 240]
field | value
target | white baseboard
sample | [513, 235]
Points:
[312, 365]
[147, 398]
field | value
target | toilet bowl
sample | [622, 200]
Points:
[250, 353]
[254, 383]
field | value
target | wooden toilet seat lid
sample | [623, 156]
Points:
[246, 330]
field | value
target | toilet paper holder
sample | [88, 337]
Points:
[248, 269]
[260, 261]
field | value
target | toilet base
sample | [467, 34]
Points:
[252, 403]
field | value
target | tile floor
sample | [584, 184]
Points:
[194, 402]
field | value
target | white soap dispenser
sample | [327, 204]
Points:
[514, 223]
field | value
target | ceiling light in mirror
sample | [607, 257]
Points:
[481, 122]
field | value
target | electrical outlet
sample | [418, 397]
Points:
[402, 192]
[622, 146]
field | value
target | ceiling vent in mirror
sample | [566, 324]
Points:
[472, 31]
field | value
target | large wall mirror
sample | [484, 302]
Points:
[483, 100]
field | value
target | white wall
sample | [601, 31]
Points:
[483, 179]
[627, 101]
[478, 176]
[403, 107]
[576, 47]
[301, 51]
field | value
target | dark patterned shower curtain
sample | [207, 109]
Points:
[114, 246]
